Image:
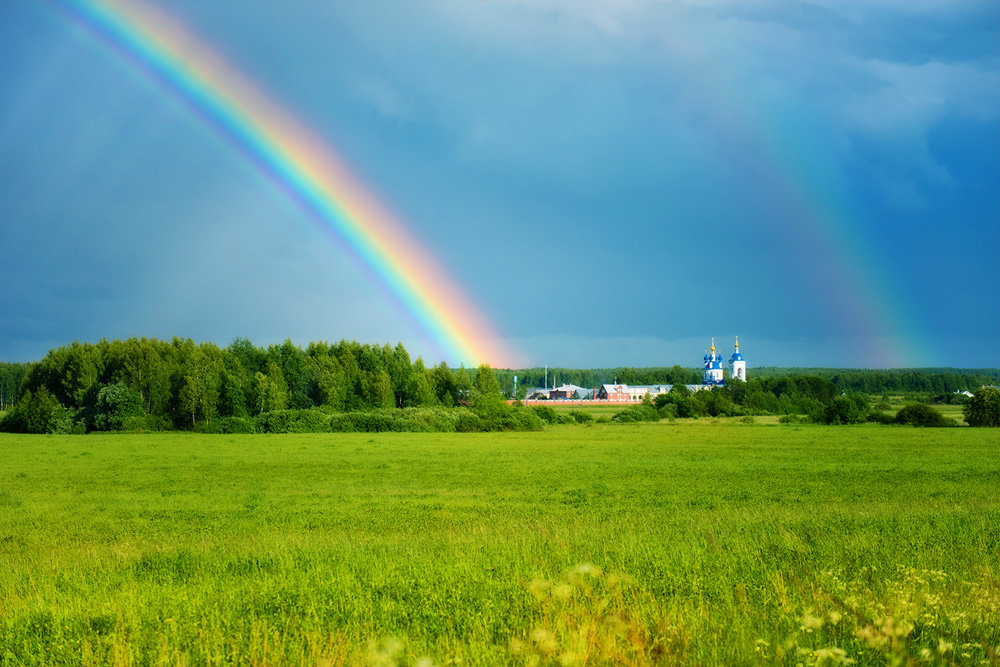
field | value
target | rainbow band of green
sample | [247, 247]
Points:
[301, 164]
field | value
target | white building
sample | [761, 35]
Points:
[737, 364]
[713, 367]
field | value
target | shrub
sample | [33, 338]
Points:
[235, 425]
[310, 421]
[582, 417]
[921, 414]
[545, 413]
[469, 423]
[668, 411]
[878, 417]
[844, 410]
[150, 424]
[637, 413]
[526, 420]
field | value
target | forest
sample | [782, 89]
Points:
[153, 385]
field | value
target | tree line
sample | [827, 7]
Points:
[152, 384]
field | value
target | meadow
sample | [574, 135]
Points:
[691, 542]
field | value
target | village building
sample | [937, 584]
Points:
[712, 376]
[563, 392]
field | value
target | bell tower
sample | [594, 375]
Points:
[737, 364]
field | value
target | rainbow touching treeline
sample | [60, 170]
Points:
[302, 164]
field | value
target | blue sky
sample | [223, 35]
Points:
[612, 182]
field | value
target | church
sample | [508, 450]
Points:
[713, 366]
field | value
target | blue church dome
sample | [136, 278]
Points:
[736, 357]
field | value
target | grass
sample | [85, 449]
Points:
[701, 543]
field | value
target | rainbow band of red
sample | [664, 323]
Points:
[304, 167]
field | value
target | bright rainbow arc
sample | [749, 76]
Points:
[299, 161]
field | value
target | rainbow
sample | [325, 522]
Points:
[301, 164]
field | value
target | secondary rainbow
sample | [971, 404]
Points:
[302, 165]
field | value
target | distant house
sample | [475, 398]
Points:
[624, 392]
[564, 392]
[569, 391]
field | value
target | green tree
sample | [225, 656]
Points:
[983, 409]
[41, 412]
[79, 372]
[486, 381]
[270, 389]
[419, 390]
[116, 405]
[378, 389]
[232, 398]
[443, 382]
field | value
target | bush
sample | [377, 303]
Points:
[545, 413]
[292, 421]
[469, 423]
[637, 413]
[147, 424]
[878, 417]
[921, 414]
[844, 410]
[235, 425]
[409, 420]
[582, 417]
[668, 411]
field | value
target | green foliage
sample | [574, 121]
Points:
[11, 376]
[486, 382]
[118, 406]
[637, 413]
[879, 417]
[39, 412]
[235, 425]
[844, 410]
[920, 414]
[545, 413]
[292, 421]
[984, 408]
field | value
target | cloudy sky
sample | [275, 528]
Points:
[611, 182]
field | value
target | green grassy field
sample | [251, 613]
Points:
[697, 543]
